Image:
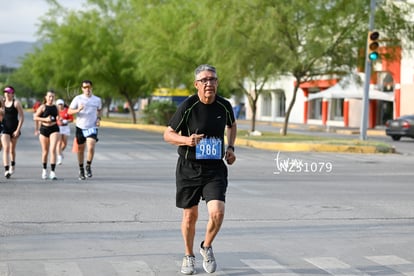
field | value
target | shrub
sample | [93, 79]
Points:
[159, 112]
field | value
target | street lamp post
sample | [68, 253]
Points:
[365, 98]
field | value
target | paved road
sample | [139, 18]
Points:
[287, 213]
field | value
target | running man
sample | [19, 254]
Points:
[198, 128]
[87, 108]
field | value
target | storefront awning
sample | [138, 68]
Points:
[350, 88]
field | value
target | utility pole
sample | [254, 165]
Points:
[368, 63]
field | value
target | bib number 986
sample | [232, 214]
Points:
[209, 148]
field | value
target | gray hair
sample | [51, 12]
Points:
[204, 67]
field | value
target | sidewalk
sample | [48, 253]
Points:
[280, 146]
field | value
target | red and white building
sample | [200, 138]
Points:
[330, 102]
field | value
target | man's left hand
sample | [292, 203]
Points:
[230, 156]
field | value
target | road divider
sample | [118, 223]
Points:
[273, 146]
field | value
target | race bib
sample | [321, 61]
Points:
[209, 148]
[89, 131]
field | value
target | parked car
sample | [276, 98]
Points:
[400, 127]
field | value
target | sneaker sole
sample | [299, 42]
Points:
[189, 273]
[192, 273]
[206, 270]
[204, 266]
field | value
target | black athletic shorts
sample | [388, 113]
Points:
[81, 139]
[200, 180]
[9, 128]
[47, 130]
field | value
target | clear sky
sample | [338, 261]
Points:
[19, 19]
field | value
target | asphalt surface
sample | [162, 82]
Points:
[287, 213]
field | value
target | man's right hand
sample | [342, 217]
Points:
[194, 139]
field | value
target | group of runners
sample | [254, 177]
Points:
[197, 128]
[51, 120]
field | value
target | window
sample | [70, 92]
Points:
[267, 104]
[273, 103]
[315, 106]
[280, 104]
[337, 109]
[385, 82]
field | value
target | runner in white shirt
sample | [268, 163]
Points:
[87, 108]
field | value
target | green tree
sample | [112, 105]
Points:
[170, 41]
[89, 44]
[236, 35]
[321, 38]
[261, 40]
[176, 37]
[131, 47]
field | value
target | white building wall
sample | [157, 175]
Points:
[355, 110]
[287, 85]
[407, 66]
[407, 82]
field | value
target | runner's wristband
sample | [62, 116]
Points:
[230, 147]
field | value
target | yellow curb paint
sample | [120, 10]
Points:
[274, 146]
[153, 128]
[306, 147]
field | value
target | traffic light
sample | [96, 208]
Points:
[373, 45]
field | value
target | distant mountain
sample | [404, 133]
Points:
[11, 53]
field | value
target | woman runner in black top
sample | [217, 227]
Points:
[46, 117]
[12, 123]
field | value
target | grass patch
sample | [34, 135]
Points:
[302, 138]
[276, 137]
[121, 120]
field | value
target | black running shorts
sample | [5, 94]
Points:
[200, 180]
[81, 139]
[47, 130]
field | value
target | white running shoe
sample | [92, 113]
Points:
[7, 174]
[52, 175]
[188, 266]
[59, 159]
[209, 261]
[11, 170]
[44, 174]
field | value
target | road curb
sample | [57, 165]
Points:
[292, 147]
[152, 128]
[273, 146]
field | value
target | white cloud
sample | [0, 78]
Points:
[19, 18]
